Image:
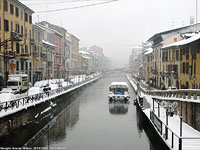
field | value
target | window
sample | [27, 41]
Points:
[22, 14]
[12, 26]
[181, 53]
[17, 12]
[22, 65]
[27, 66]
[194, 67]
[11, 9]
[187, 68]
[26, 49]
[177, 54]
[6, 25]
[5, 5]
[30, 19]
[17, 66]
[17, 48]
[187, 53]
[26, 17]
[0, 23]
[17, 28]
[22, 30]
[183, 67]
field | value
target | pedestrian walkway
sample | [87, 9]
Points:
[169, 127]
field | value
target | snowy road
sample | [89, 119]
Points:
[91, 123]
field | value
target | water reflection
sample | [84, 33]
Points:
[118, 108]
[58, 132]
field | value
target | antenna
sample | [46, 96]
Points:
[47, 14]
[38, 18]
[196, 13]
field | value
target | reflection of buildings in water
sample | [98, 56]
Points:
[73, 114]
[67, 119]
[118, 108]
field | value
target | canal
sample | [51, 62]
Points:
[89, 122]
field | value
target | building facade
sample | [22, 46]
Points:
[15, 36]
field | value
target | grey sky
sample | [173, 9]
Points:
[118, 25]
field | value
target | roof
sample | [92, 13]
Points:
[48, 44]
[119, 83]
[148, 51]
[170, 31]
[84, 52]
[26, 8]
[86, 57]
[183, 42]
[42, 26]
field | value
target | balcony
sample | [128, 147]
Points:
[10, 53]
[32, 41]
[36, 53]
[50, 63]
[16, 36]
[24, 56]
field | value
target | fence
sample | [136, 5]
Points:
[23, 103]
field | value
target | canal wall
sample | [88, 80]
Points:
[12, 123]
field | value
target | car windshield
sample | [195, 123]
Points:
[12, 83]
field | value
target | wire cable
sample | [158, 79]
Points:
[76, 7]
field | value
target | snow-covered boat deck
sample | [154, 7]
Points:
[190, 138]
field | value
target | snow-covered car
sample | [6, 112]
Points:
[118, 91]
[34, 90]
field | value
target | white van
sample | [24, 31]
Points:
[18, 82]
[118, 91]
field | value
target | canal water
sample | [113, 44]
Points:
[91, 123]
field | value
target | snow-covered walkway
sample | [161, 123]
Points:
[190, 136]
[24, 103]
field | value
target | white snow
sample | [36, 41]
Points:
[34, 90]
[191, 137]
[7, 97]
[183, 42]
[4, 97]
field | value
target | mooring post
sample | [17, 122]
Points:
[153, 105]
[166, 128]
[159, 110]
[180, 139]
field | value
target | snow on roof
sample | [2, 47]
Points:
[119, 83]
[84, 52]
[183, 42]
[44, 27]
[48, 43]
[148, 51]
[86, 57]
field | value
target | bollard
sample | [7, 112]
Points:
[153, 105]
[158, 110]
[166, 129]
[181, 126]
[172, 140]
[180, 144]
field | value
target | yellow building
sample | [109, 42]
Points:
[74, 54]
[189, 51]
[181, 61]
[15, 35]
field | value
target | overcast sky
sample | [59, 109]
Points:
[116, 26]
